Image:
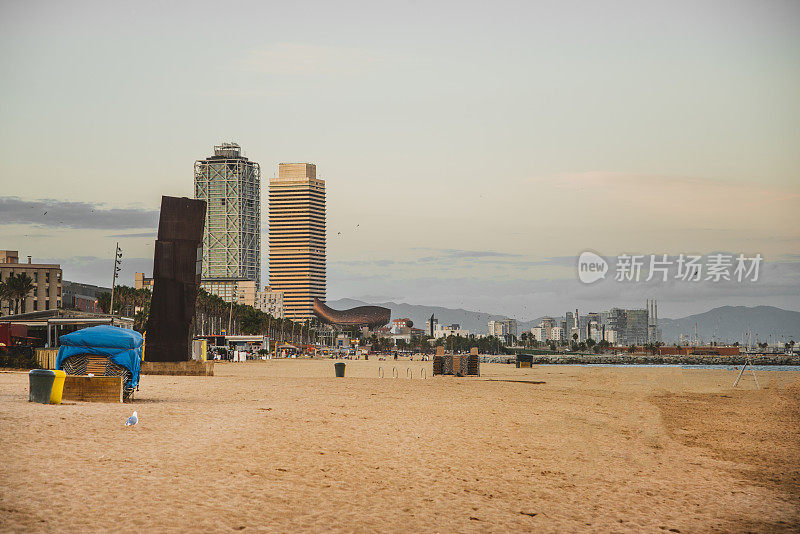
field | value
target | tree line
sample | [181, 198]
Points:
[212, 316]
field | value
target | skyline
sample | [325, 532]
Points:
[503, 141]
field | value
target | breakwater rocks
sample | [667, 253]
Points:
[656, 359]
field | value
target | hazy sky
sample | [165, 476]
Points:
[479, 147]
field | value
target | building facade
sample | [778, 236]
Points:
[231, 186]
[538, 333]
[450, 330]
[630, 327]
[140, 281]
[47, 288]
[297, 238]
[505, 329]
[246, 293]
[270, 301]
[83, 297]
[556, 334]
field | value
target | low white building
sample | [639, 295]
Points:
[451, 330]
[546, 332]
[506, 327]
[610, 336]
[556, 334]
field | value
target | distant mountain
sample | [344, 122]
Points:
[475, 322]
[726, 323]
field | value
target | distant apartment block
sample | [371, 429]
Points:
[556, 334]
[238, 291]
[271, 302]
[297, 238]
[231, 186]
[630, 326]
[403, 322]
[505, 329]
[246, 293]
[47, 290]
[450, 330]
[546, 331]
[140, 281]
[83, 297]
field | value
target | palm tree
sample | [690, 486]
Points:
[6, 294]
[21, 285]
[104, 301]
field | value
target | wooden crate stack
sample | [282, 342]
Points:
[438, 361]
[474, 365]
[447, 364]
[437, 365]
[456, 364]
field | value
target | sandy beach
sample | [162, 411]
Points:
[282, 445]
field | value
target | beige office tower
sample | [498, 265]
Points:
[297, 238]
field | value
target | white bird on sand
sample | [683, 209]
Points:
[132, 420]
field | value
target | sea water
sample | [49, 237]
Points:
[685, 366]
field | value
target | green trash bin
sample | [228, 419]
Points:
[41, 384]
[339, 368]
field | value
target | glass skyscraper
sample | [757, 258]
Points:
[231, 186]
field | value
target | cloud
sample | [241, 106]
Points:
[524, 297]
[56, 213]
[140, 234]
[459, 253]
[283, 59]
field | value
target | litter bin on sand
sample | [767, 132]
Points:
[41, 385]
[339, 368]
[58, 387]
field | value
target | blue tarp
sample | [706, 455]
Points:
[121, 346]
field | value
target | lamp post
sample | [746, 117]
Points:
[117, 269]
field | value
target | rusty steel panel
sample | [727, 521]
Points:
[176, 278]
[371, 316]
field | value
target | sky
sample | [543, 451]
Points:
[471, 150]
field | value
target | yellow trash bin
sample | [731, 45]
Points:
[58, 387]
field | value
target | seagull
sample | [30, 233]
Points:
[132, 420]
[45, 213]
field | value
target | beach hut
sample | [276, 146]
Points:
[103, 351]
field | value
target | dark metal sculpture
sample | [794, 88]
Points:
[371, 316]
[176, 278]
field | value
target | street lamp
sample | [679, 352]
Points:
[117, 269]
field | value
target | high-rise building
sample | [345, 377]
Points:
[297, 238]
[636, 327]
[569, 324]
[231, 186]
[630, 326]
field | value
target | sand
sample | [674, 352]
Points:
[284, 446]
